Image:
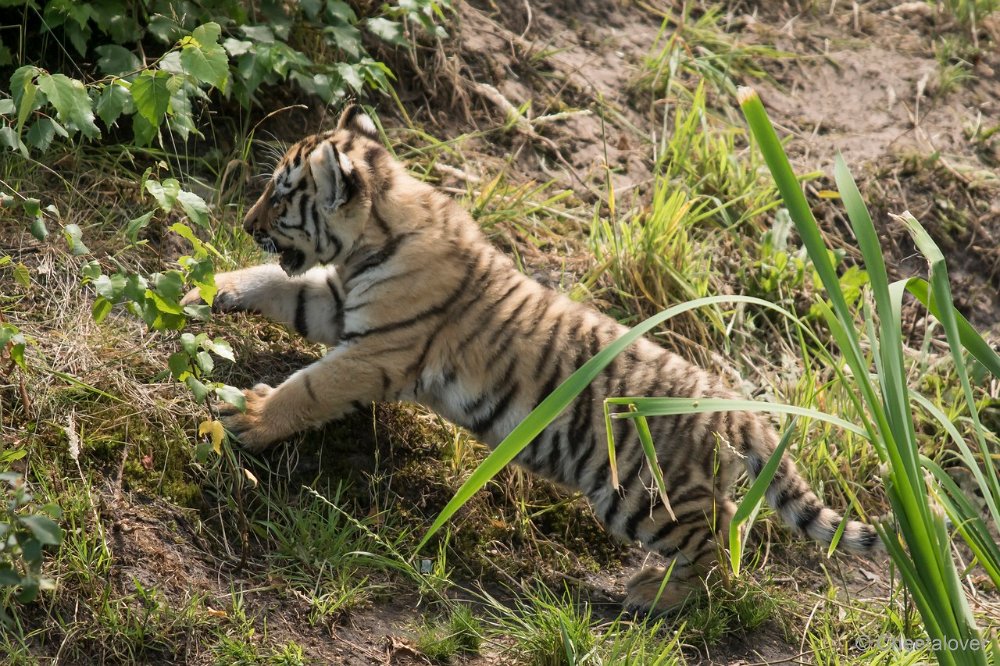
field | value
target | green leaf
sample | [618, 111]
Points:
[194, 206]
[223, 349]
[340, 11]
[237, 47]
[32, 206]
[164, 28]
[116, 59]
[38, 229]
[110, 287]
[311, 7]
[181, 120]
[8, 577]
[71, 101]
[9, 139]
[388, 31]
[164, 305]
[202, 275]
[21, 275]
[347, 38]
[44, 529]
[204, 59]
[136, 225]
[189, 344]
[135, 288]
[350, 75]
[259, 34]
[24, 91]
[201, 451]
[74, 236]
[205, 362]
[169, 284]
[91, 270]
[40, 134]
[29, 591]
[165, 193]
[114, 100]
[179, 364]
[142, 130]
[233, 396]
[198, 311]
[199, 390]
[101, 309]
[151, 94]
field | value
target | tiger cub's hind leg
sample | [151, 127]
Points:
[692, 543]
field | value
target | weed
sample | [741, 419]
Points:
[688, 48]
[968, 13]
[547, 630]
[25, 529]
[460, 632]
[954, 66]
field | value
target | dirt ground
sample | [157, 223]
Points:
[861, 78]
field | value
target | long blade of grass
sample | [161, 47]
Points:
[791, 193]
[892, 378]
[971, 340]
[965, 517]
[553, 405]
[964, 451]
[649, 449]
[751, 502]
[673, 406]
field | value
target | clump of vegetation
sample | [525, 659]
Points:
[458, 633]
[25, 529]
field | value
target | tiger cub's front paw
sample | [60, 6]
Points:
[254, 430]
[226, 299]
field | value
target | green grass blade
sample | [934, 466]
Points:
[791, 193]
[964, 451]
[971, 340]
[889, 342]
[751, 502]
[646, 440]
[553, 405]
[672, 406]
[967, 521]
[612, 458]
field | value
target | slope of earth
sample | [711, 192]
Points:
[544, 115]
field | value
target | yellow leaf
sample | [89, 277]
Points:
[216, 613]
[828, 194]
[214, 430]
[250, 477]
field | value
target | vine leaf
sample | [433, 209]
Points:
[151, 95]
[71, 101]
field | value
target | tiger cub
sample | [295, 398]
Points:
[415, 304]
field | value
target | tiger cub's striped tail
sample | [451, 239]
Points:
[794, 500]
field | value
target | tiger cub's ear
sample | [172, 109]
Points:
[355, 119]
[332, 171]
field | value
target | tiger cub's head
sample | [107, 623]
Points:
[316, 204]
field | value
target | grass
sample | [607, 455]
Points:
[458, 633]
[694, 45]
[261, 573]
